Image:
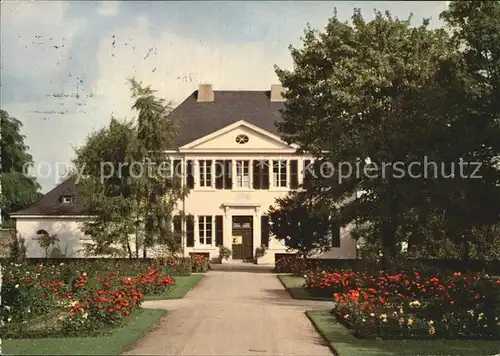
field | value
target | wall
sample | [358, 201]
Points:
[71, 238]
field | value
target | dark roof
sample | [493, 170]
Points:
[50, 203]
[229, 106]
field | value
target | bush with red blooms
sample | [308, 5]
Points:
[417, 305]
[199, 263]
[78, 301]
[153, 282]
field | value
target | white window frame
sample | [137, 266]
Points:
[242, 174]
[205, 178]
[66, 199]
[279, 167]
[205, 229]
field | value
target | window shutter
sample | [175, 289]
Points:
[178, 228]
[257, 174]
[219, 174]
[294, 174]
[189, 174]
[264, 230]
[228, 184]
[265, 176]
[305, 173]
[190, 231]
[219, 231]
[336, 234]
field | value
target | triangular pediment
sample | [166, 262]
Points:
[240, 135]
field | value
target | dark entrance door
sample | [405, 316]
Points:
[242, 238]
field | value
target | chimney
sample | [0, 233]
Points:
[205, 93]
[277, 92]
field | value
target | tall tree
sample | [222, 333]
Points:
[302, 225]
[159, 191]
[350, 97]
[107, 187]
[18, 190]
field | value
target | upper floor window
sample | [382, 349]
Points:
[243, 174]
[279, 173]
[205, 230]
[205, 173]
[66, 199]
[242, 139]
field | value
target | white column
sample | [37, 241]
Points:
[233, 172]
[250, 173]
[287, 165]
[196, 232]
[256, 229]
[196, 173]
[271, 173]
[300, 170]
[212, 175]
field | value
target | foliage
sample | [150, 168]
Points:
[47, 242]
[18, 189]
[124, 181]
[375, 92]
[302, 225]
[224, 253]
[200, 263]
[17, 247]
[68, 301]
[413, 304]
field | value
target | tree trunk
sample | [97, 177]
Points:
[129, 250]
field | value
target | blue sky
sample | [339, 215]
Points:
[65, 64]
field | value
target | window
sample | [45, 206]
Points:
[243, 174]
[205, 173]
[279, 173]
[242, 139]
[223, 175]
[205, 230]
[260, 174]
[42, 232]
[67, 199]
[177, 222]
[294, 174]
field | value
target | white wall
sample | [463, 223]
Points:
[71, 237]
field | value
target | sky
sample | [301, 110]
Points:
[64, 65]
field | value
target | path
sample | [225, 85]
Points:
[235, 312]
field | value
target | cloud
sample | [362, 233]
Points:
[174, 65]
[108, 8]
[34, 45]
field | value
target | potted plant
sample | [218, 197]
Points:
[224, 253]
[260, 252]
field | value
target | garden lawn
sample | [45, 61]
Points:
[343, 343]
[294, 286]
[183, 284]
[114, 343]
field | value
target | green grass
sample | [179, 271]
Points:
[293, 285]
[344, 343]
[183, 284]
[118, 341]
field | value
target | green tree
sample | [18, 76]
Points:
[350, 97]
[303, 226]
[18, 190]
[159, 191]
[108, 187]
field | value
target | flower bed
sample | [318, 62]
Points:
[413, 305]
[43, 301]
